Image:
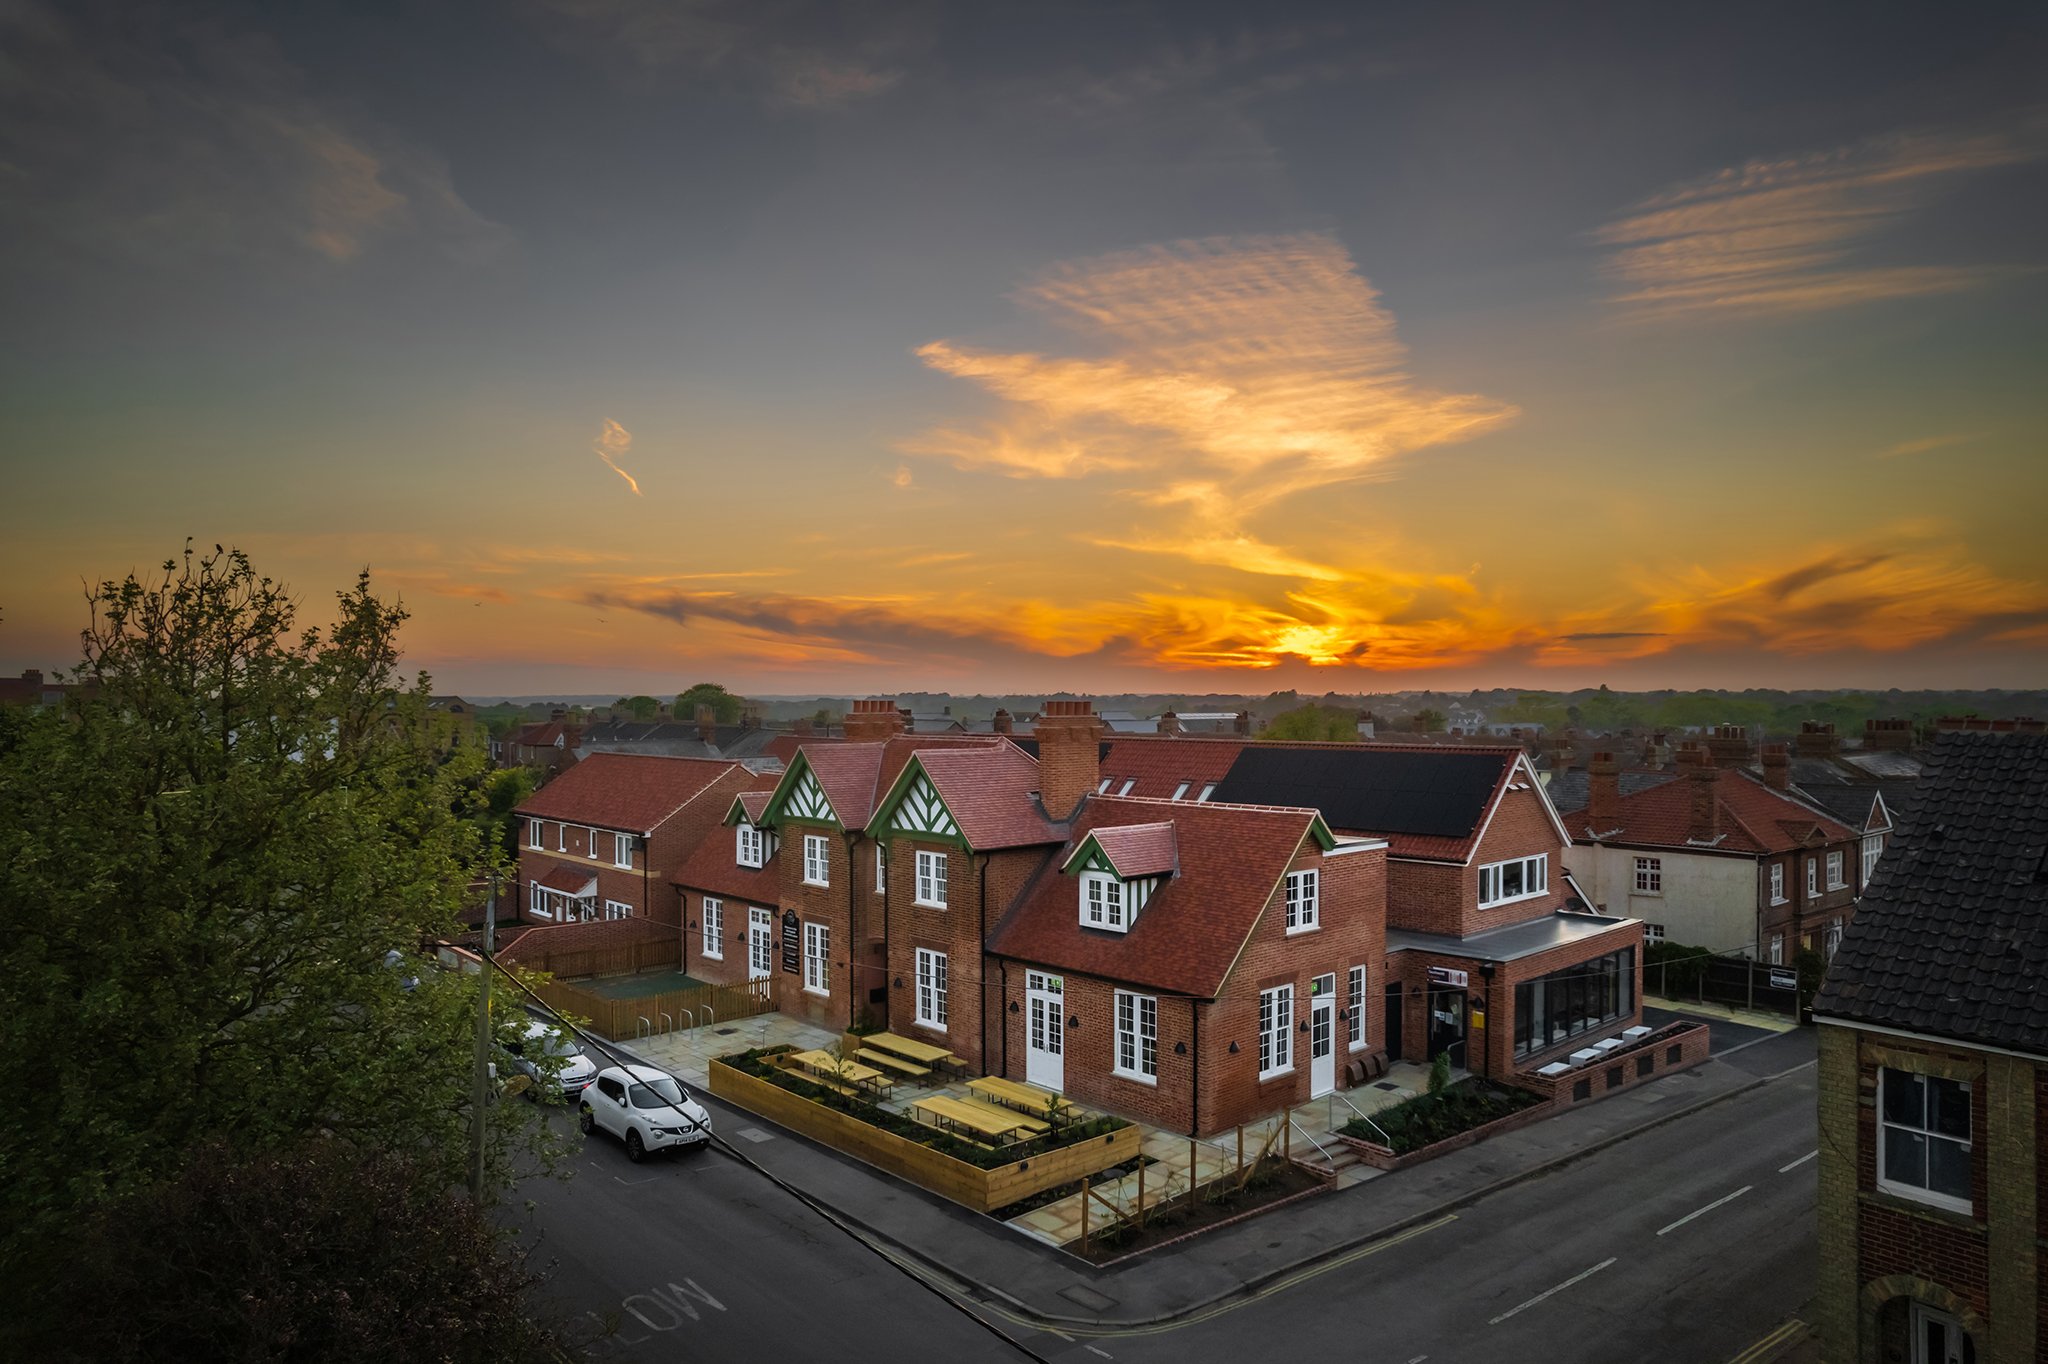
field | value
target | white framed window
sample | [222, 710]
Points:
[1102, 902]
[534, 834]
[590, 843]
[536, 902]
[561, 838]
[1125, 789]
[1520, 878]
[931, 988]
[817, 861]
[1354, 1007]
[622, 851]
[1653, 933]
[1834, 938]
[1777, 949]
[1180, 790]
[1207, 791]
[1873, 848]
[1102, 789]
[1836, 870]
[817, 958]
[1777, 883]
[747, 845]
[1304, 892]
[1137, 1037]
[617, 909]
[1813, 876]
[1923, 1142]
[1276, 1031]
[711, 920]
[881, 870]
[1649, 876]
[931, 879]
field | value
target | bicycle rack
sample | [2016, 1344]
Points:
[668, 1022]
[643, 1028]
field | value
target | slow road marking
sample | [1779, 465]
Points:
[1782, 1169]
[1580, 1277]
[1709, 1208]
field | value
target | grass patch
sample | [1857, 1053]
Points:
[758, 1063]
[1430, 1118]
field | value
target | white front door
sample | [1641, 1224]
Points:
[1045, 1030]
[1322, 1037]
[1938, 1338]
[760, 944]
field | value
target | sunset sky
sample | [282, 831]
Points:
[1009, 347]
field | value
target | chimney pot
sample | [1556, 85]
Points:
[1002, 723]
[873, 720]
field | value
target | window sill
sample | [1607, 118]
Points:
[1918, 1202]
[929, 1026]
[1299, 929]
[1134, 1077]
[1514, 899]
[1361, 1046]
[711, 956]
[750, 866]
[929, 904]
[1279, 1074]
[821, 885]
[1105, 928]
[815, 990]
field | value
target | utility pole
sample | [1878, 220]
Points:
[480, 1099]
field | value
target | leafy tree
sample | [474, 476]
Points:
[315, 1253]
[726, 708]
[641, 707]
[1313, 722]
[502, 791]
[1430, 721]
[204, 865]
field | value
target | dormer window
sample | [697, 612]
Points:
[1102, 902]
[749, 845]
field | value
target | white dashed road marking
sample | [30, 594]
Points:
[1709, 1208]
[1576, 1278]
[1799, 1162]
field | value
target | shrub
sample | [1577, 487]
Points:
[1430, 1118]
[1673, 968]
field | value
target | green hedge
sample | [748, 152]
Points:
[756, 1064]
[1674, 968]
[1430, 1118]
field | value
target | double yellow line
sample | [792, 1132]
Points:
[1772, 1343]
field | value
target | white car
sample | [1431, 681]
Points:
[645, 1108]
[540, 1041]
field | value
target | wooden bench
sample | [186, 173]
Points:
[983, 1119]
[923, 1053]
[909, 1070]
[1024, 1098]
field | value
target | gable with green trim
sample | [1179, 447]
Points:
[798, 796]
[914, 809]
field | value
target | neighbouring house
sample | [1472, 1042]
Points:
[1933, 1200]
[550, 747]
[33, 690]
[1718, 858]
[602, 840]
[746, 742]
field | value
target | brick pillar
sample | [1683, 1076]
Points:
[1069, 764]
[1836, 1310]
[2012, 1249]
[873, 720]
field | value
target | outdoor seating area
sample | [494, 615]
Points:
[909, 1057]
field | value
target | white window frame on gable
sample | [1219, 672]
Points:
[1649, 876]
[931, 879]
[1276, 1031]
[1777, 883]
[817, 860]
[711, 921]
[1530, 874]
[622, 851]
[1304, 900]
[1137, 1037]
[749, 847]
[1837, 870]
[1909, 1137]
[931, 989]
[817, 958]
[1102, 902]
[536, 833]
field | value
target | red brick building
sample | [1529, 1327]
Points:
[602, 839]
[1934, 1076]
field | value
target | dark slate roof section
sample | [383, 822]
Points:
[1850, 804]
[1951, 940]
[1570, 790]
[1384, 791]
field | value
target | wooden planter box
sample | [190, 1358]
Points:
[1383, 1157]
[969, 1185]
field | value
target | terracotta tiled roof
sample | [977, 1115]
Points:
[1186, 938]
[1136, 850]
[989, 790]
[1754, 819]
[755, 803]
[855, 776]
[570, 880]
[1162, 764]
[635, 792]
[714, 868]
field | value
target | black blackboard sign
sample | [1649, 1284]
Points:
[792, 948]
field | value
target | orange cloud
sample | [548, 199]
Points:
[614, 440]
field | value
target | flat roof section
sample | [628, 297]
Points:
[1510, 943]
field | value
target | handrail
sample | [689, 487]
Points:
[1362, 1117]
[1328, 1159]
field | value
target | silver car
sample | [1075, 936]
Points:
[542, 1042]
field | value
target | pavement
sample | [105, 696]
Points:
[1030, 1286]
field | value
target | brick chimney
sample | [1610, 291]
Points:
[707, 724]
[1002, 723]
[32, 676]
[1777, 767]
[1069, 759]
[1243, 724]
[1704, 778]
[1728, 745]
[801, 727]
[1895, 735]
[1816, 740]
[1169, 723]
[873, 720]
[1603, 793]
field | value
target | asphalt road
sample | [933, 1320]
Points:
[1685, 1243]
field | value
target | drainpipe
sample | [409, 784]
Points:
[646, 869]
[1003, 1018]
[888, 964]
[852, 906]
[683, 924]
[981, 969]
[1195, 1103]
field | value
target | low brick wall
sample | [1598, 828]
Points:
[969, 1185]
[1673, 1047]
[1384, 1158]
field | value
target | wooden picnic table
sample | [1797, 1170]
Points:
[982, 1118]
[823, 1064]
[922, 1052]
[1022, 1097]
